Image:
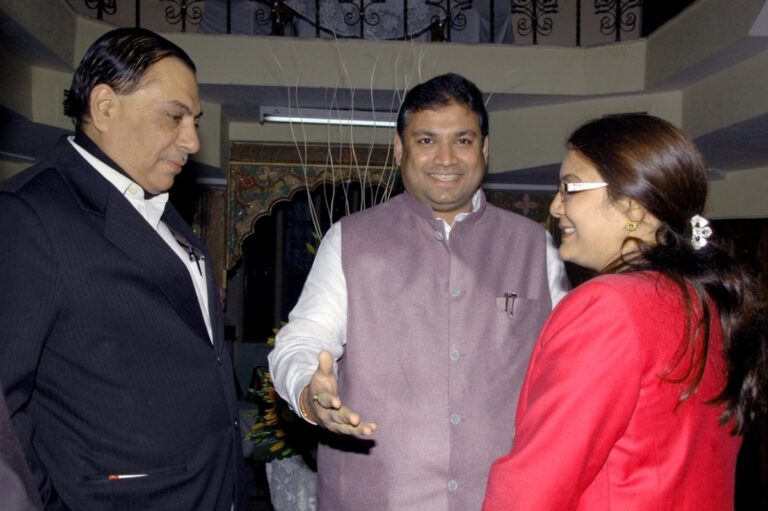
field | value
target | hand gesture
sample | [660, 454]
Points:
[322, 405]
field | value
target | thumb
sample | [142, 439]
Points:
[325, 363]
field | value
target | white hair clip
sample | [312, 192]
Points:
[701, 231]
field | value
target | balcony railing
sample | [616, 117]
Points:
[551, 22]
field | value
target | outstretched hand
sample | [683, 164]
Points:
[322, 405]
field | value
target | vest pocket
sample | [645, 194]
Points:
[513, 304]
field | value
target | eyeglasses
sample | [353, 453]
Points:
[567, 189]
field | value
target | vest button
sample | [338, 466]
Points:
[438, 236]
[453, 485]
[455, 355]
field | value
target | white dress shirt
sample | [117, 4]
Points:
[152, 210]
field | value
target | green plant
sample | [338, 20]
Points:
[276, 432]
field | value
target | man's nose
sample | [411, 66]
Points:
[445, 155]
[188, 137]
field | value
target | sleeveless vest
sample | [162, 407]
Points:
[439, 334]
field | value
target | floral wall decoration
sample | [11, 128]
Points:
[261, 176]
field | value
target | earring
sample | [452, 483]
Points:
[630, 226]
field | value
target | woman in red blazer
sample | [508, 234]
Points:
[642, 378]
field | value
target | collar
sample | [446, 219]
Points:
[477, 202]
[424, 211]
[85, 142]
[110, 171]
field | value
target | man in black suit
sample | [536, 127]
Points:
[118, 383]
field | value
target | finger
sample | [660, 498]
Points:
[325, 364]
[324, 380]
[365, 429]
[327, 400]
[345, 416]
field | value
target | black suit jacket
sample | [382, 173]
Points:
[104, 354]
[17, 493]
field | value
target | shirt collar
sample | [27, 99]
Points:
[476, 203]
[120, 180]
[90, 146]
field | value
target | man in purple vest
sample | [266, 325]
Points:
[412, 335]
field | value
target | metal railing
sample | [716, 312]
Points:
[530, 20]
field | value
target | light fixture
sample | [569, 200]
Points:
[335, 117]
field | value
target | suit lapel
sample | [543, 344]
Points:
[174, 221]
[215, 306]
[127, 230]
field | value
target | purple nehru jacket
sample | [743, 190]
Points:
[439, 334]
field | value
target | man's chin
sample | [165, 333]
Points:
[451, 206]
[160, 188]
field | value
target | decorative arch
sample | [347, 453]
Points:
[263, 175]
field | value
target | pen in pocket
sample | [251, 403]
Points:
[115, 477]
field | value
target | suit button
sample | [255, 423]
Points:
[218, 359]
[236, 423]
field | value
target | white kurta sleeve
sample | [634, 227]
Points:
[317, 322]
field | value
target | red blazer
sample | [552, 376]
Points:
[598, 428]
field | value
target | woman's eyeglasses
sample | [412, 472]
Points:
[567, 189]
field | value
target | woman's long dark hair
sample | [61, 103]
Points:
[650, 161]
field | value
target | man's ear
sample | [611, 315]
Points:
[103, 106]
[486, 141]
[398, 146]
